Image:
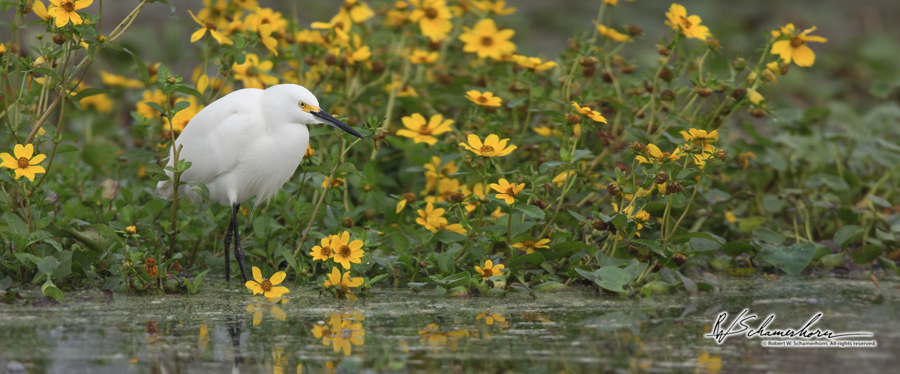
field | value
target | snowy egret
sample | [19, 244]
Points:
[246, 144]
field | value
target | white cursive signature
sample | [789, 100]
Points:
[740, 326]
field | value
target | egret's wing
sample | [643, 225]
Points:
[212, 141]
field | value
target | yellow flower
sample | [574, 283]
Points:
[529, 245]
[447, 187]
[433, 17]
[23, 163]
[485, 40]
[492, 146]
[208, 25]
[420, 132]
[497, 7]
[431, 218]
[155, 96]
[40, 10]
[688, 25]
[754, 96]
[507, 191]
[101, 103]
[589, 113]
[304, 37]
[794, 47]
[743, 159]
[265, 16]
[65, 11]
[131, 230]
[478, 191]
[346, 251]
[497, 213]
[325, 251]
[545, 131]
[267, 287]
[423, 57]
[611, 33]
[660, 156]
[489, 269]
[253, 73]
[486, 98]
[335, 183]
[729, 216]
[702, 135]
[345, 282]
[456, 227]
[534, 63]
[181, 119]
[265, 36]
[490, 318]
[561, 178]
[407, 198]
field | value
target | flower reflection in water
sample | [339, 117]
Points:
[259, 307]
[342, 331]
[491, 318]
[434, 338]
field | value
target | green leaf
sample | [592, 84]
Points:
[156, 172]
[833, 182]
[16, 225]
[751, 223]
[37, 236]
[689, 284]
[190, 91]
[864, 255]
[156, 107]
[201, 189]
[579, 217]
[51, 291]
[881, 89]
[289, 257]
[49, 73]
[48, 265]
[791, 259]
[533, 258]
[772, 203]
[516, 102]
[460, 279]
[768, 236]
[847, 234]
[65, 148]
[179, 106]
[612, 278]
[879, 201]
[532, 211]
[683, 238]
[734, 249]
[142, 68]
[318, 131]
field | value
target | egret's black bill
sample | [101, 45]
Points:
[327, 118]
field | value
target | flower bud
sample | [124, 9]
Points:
[59, 39]
[679, 259]
[607, 77]
[738, 93]
[599, 225]
[662, 50]
[739, 64]
[348, 223]
[703, 91]
[377, 67]
[538, 203]
[662, 177]
[666, 74]
[638, 147]
[634, 30]
[713, 44]
[409, 197]
[758, 113]
[457, 197]
[628, 69]
[613, 189]
[667, 95]
[101, 38]
[674, 187]
[573, 119]
[687, 148]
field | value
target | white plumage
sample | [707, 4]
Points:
[247, 144]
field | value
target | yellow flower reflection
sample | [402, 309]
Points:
[490, 318]
[259, 308]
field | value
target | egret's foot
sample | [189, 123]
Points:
[239, 256]
[228, 255]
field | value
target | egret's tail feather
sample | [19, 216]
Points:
[164, 190]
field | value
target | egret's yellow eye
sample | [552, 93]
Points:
[302, 104]
[307, 108]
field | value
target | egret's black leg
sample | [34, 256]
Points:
[228, 236]
[238, 252]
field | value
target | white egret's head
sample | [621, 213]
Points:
[301, 106]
